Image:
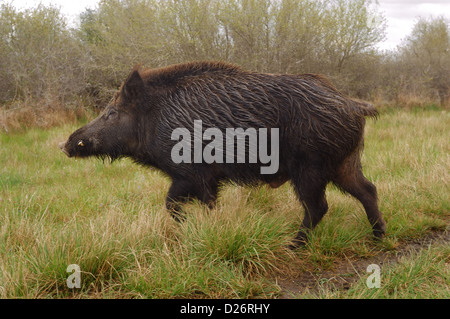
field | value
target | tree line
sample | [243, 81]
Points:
[45, 58]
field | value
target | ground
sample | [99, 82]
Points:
[346, 273]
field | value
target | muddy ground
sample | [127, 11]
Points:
[347, 272]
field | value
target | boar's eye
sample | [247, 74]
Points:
[111, 114]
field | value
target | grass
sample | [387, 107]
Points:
[41, 113]
[421, 274]
[111, 221]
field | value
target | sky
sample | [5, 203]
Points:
[401, 15]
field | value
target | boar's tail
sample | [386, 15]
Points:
[366, 109]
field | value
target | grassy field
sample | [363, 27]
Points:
[110, 220]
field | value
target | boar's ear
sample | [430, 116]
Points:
[133, 86]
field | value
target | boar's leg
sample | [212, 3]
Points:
[350, 178]
[181, 191]
[311, 192]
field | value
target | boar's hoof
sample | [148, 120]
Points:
[299, 241]
[177, 216]
[379, 234]
[379, 229]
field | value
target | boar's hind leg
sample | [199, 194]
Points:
[311, 191]
[181, 191]
[350, 178]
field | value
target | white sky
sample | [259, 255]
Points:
[400, 14]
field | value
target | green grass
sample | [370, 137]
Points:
[421, 274]
[111, 221]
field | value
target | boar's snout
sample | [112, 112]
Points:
[62, 146]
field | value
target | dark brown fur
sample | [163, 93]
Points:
[321, 132]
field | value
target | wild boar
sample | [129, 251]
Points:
[314, 133]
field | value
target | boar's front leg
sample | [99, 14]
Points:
[182, 191]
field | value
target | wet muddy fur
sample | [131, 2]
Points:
[320, 133]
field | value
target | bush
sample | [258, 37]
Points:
[46, 64]
[41, 59]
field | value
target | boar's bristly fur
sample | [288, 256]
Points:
[320, 133]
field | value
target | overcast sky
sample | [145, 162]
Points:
[400, 14]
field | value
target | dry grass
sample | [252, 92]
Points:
[44, 113]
